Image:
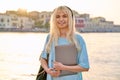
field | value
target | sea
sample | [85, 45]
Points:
[19, 55]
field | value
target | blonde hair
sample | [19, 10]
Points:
[55, 33]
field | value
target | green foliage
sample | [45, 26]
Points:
[47, 25]
[39, 24]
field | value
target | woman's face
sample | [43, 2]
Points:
[62, 19]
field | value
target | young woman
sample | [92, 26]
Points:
[62, 32]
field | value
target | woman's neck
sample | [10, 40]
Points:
[63, 32]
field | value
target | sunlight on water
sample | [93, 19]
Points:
[19, 55]
[104, 55]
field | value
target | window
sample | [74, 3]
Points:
[8, 20]
[2, 20]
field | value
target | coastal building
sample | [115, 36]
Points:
[97, 24]
[34, 15]
[14, 21]
[5, 21]
[83, 22]
[79, 23]
[44, 17]
[25, 23]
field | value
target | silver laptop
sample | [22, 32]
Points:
[67, 55]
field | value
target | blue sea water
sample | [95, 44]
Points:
[19, 55]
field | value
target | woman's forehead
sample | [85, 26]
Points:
[61, 11]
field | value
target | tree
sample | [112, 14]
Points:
[47, 25]
[39, 24]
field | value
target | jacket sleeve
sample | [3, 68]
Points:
[44, 52]
[82, 54]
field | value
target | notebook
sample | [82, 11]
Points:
[67, 55]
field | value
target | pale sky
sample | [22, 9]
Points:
[109, 9]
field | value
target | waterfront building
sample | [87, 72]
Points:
[5, 21]
[44, 17]
[83, 22]
[34, 15]
[97, 24]
[14, 21]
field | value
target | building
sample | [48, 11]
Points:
[83, 22]
[5, 21]
[14, 21]
[44, 17]
[34, 15]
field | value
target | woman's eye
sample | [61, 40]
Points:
[57, 16]
[64, 16]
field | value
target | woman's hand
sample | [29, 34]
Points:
[75, 68]
[58, 66]
[53, 72]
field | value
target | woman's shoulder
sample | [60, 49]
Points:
[47, 36]
[78, 36]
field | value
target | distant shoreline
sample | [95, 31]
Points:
[48, 32]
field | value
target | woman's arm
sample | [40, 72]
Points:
[44, 64]
[49, 70]
[76, 68]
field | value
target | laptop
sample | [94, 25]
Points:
[67, 55]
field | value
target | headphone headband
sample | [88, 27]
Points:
[70, 10]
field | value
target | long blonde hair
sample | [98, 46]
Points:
[55, 33]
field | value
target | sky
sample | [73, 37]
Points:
[109, 9]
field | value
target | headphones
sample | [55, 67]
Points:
[70, 10]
